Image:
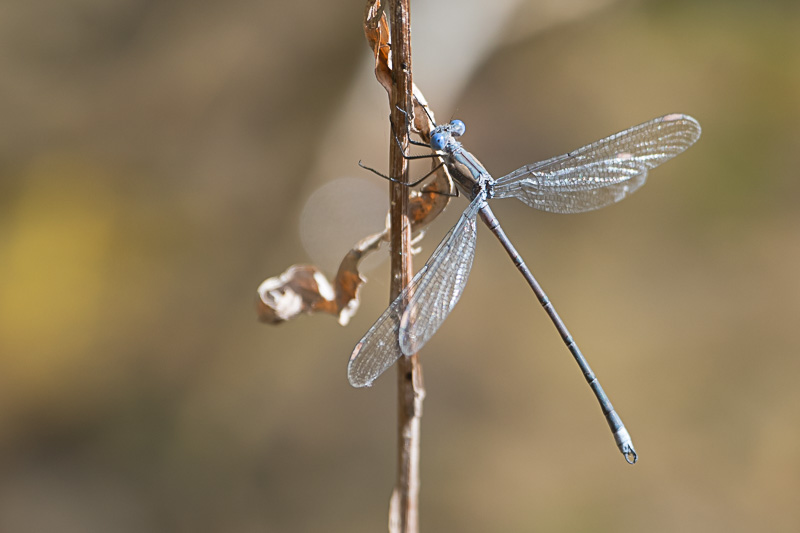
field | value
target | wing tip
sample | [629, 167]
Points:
[686, 119]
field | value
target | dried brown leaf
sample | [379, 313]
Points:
[301, 289]
[304, 289]
[376, 30]
[349, 279]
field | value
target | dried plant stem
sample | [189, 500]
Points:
[403, 512]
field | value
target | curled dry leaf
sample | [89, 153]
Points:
[301, 289]
[376, 30]
[304, 289]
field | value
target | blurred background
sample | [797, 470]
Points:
[158, 160]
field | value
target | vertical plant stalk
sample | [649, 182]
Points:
[403, 508]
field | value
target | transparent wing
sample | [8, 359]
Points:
[600, 173]
[431, 295]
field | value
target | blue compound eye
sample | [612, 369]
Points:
[438, 140]
[457, 128]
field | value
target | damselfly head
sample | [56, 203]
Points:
[442, 135]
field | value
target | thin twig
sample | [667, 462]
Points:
[403, 512]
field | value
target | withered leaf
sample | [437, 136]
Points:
[305, 289]
[376, 30]
[301, 289]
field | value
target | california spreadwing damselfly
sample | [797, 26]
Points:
[597, 175]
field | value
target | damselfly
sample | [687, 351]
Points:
[588, 178]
